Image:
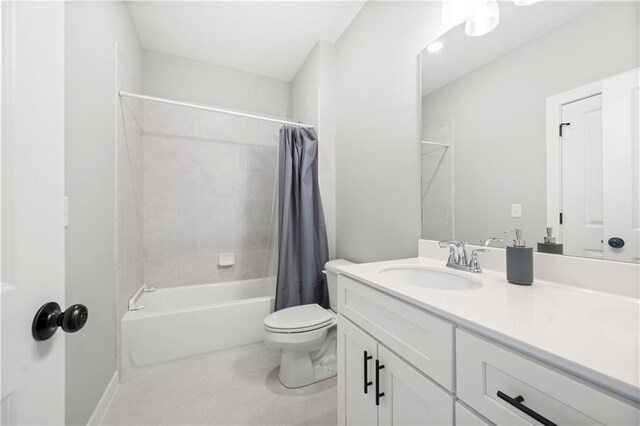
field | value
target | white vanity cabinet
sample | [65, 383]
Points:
[379, 385]
[401, 365]
[508, 387]
[376, 387]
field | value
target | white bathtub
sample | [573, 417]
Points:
[184, 322]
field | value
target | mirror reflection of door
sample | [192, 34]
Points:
[581, 177]
[597, 173]
[621, 165]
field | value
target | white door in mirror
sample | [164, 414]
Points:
[581, 205]
[600, 197]
[621, 166]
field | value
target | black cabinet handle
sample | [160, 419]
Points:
[517, 402]
[367, 383]
[378, 393]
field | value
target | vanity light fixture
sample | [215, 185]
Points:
[455, 12]
[434, 47]
[485, 18]
[480, 16]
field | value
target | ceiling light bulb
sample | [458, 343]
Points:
[434, 47]
[484, 19]
[455, 12]
[525, 2]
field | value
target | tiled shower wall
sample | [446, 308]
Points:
[129, 269]
[209, 188]
[437, 183]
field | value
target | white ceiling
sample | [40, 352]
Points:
[462, 54]
[267, 38]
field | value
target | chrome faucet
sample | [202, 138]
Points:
[458, 256]
[487, 241]
[457, 253]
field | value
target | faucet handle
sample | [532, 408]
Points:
[487, 241]
[448, 243]
[457, 253]
[474, 252]
[474, 263]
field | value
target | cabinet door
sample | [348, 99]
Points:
[409, 397]
[466, 417]
[357, 352]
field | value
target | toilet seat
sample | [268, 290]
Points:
[299, 319]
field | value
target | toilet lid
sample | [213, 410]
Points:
[298, 317]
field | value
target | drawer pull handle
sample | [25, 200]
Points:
[367, 382]
[517, 402]
[378, 393]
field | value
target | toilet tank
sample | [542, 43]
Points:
[332, 280]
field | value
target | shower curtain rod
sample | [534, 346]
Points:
[209, 108]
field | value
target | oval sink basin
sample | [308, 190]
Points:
[423, 277]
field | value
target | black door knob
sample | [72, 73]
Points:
[49, 317]
[616, 242]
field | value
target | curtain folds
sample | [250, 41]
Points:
[303, 248]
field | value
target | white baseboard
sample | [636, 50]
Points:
[105, 400]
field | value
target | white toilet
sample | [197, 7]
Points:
[307, 336]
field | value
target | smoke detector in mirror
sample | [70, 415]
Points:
[434, 47]
[226, 259]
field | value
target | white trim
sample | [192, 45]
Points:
[554, 149]
[105, 400]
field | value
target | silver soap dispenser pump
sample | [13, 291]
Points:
[550, 245]
[519, 260]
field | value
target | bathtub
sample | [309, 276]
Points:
[185, 322]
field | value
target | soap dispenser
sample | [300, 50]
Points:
[550, 245]
[519, 261]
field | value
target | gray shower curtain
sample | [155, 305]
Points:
[303, 248]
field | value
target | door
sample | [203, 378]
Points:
[621, 168]
[581, 164]
[409, 397]
[32, 208]
[357, 352]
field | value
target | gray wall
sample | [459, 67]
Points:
[378, 129]
[92, 30]
[185, 79]
[312, 102]
[497, 114]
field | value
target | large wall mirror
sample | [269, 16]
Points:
[535, 126]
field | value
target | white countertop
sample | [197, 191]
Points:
[593, 335]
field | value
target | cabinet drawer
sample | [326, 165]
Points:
[485, 368]
[422, 339]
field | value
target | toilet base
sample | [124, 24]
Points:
[300, 368]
